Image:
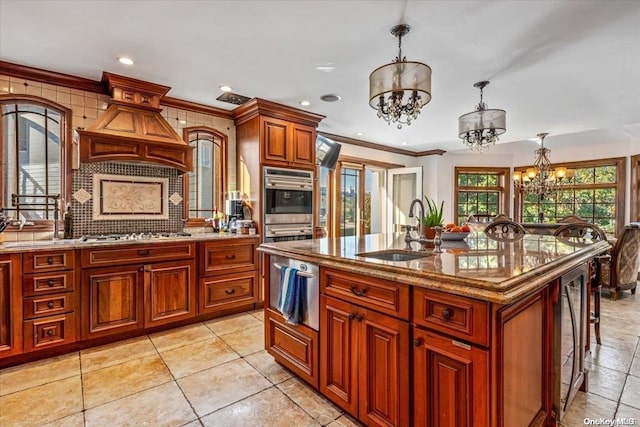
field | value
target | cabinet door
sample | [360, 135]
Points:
[10, 305]
[275, 139]
[383, 369]
[111, 300]
[338, 357]
[451, 382]
[170, 292]
[303, 145]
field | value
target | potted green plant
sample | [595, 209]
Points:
[432, 217]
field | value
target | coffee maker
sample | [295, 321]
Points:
[234, 212]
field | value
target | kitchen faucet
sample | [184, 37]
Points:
[420, 228]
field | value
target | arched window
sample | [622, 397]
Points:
[206, 184]
[35, 157]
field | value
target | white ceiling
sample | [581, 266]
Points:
[555, 66]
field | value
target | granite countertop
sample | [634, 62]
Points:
[478, 266]
[47, 245]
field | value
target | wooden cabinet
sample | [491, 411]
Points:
[364, 362]
[50, 299]
[112, 300]
[288, 144]
[229, 275]
[10, 305]
[144, 294]
[451, 382]
[170, 292]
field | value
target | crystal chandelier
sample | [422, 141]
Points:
[541, 179]
[480, 129]
[389, 84]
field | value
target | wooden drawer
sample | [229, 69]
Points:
[454, 315]
[228, 291]
[35, 262]
[49, 332]
[228, 256]
[295, 347]
[48, 305]
[380, 295]
[46, 283]
[137, 254]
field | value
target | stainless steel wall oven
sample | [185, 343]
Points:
[288, 204]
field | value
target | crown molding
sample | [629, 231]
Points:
[380, 147]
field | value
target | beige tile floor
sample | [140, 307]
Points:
[217, 374]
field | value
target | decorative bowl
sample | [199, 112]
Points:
[454, 236]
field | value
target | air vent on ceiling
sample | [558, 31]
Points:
[233, 98]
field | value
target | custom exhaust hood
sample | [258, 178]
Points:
[132, 128]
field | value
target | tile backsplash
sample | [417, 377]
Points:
[83, 222]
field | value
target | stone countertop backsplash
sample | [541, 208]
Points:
[13, 246]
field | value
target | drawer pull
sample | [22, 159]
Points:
[232, 256]
[50, 283]
[417, 342]
[50, 332]
[49, 260]
[447, 314]
[229, 291]
[144, 252]
[50, 304]
[357, 292]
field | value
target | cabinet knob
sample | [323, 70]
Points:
[417, 342]
[357, 292]
[49, 260]
[50, 332]
[144, 252]
[50, 283]
[232, 256]
[229, 291]
[50, 304]
[141, 269]
[447, 313]
[359, 317]
[352, 316]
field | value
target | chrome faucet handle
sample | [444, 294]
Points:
[437, 241]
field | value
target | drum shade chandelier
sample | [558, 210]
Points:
[400, 89]
[480, 129]
[541, 179]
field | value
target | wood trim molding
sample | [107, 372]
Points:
[95, 86]
[635, 188]
[376, 163]
[262, 107]
[380, 147]
[52, 77]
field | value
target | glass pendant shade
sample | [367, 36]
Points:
[398, 90]
[480, 129]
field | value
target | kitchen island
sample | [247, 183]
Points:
[486, 333]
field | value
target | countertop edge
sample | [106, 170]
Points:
[502, 293]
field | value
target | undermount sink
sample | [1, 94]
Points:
[395, 255]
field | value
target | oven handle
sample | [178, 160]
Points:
[299, 273]
[290, 230]
[288, 184]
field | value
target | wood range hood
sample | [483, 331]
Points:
[132, 128]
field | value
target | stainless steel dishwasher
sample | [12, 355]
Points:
[311, 317]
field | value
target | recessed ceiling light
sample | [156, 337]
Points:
[332, 97]
[126, 61]
[225, 88]
[183, 122]
[405, 143]
[305, 102]
[359, 133]
[326, 68]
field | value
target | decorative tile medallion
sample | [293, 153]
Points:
[82, 196]
[130, 197]
[175, 199]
